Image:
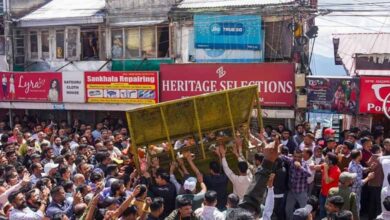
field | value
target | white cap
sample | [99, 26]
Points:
[50, 166]
[190, 184]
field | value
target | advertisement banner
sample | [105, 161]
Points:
[333, 95]
[228, 32]
[74, 87]
[31, 86]
[376, 93]
[122, 87]
[275, 80]
[228, 56]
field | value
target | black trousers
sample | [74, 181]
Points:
[374, 202]
[279, 209]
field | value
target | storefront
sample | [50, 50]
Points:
[90, 96]
[276, 83]
[374, 101]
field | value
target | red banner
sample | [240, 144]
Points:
[374, 91]
[122, 87]
[31, 87]
[275, 80]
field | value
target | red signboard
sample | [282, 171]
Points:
[122, 87]
[275, 80]
[374, 91]
[31, 87]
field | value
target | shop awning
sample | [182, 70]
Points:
[68, 106]
[137, 23]
[69, 12]
[351, 44]
[139, 65]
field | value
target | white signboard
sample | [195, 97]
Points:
[73, 86]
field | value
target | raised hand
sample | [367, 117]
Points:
[271, 152]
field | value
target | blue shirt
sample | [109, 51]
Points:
[54, 208]
[358, 183]
[96, 134]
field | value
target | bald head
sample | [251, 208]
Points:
[79, 179]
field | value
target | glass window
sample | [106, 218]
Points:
[60, 44]
[90, 41]
[132, 43]
[117, 44]
[45, 44]
[72, 43]
[148, 44]
[102, 54]
[34, 44]
[163, 41]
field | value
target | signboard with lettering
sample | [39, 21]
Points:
[375, 96]
[228, 32]
[31, 86]
[275, 80]
[122, 87]
[74, 87]
[333, 95]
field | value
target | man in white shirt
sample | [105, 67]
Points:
[240, 182]
[209, 210]
[307, 157]
[114, 151]
[308, 141]
[41, 138]
[57, 147]
[385, 162]
[385, 191]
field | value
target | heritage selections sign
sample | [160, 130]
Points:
[275, 80]
[122, 87]
[333, 95]
[31, 86]
[375, 96]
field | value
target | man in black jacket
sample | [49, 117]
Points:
[288, 141]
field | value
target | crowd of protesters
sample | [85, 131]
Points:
[52, 170]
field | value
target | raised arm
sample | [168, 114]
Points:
[202, 185]
[126, 203]
[194, 168]
[182, 167]
[229, 173]
[253, 196]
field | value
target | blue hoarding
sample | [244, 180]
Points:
[228, 32]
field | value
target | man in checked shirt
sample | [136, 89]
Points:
[298, 187]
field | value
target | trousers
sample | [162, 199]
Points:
[292, 199]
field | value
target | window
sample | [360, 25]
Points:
[132, 43]
[117, 44]
[34, 45]
[60, 44]
[90, 44]
[140, 42]
[148, 42]
[2, 39]
[45, 44]
[163, 41]
[72, 43]
[19, 52]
